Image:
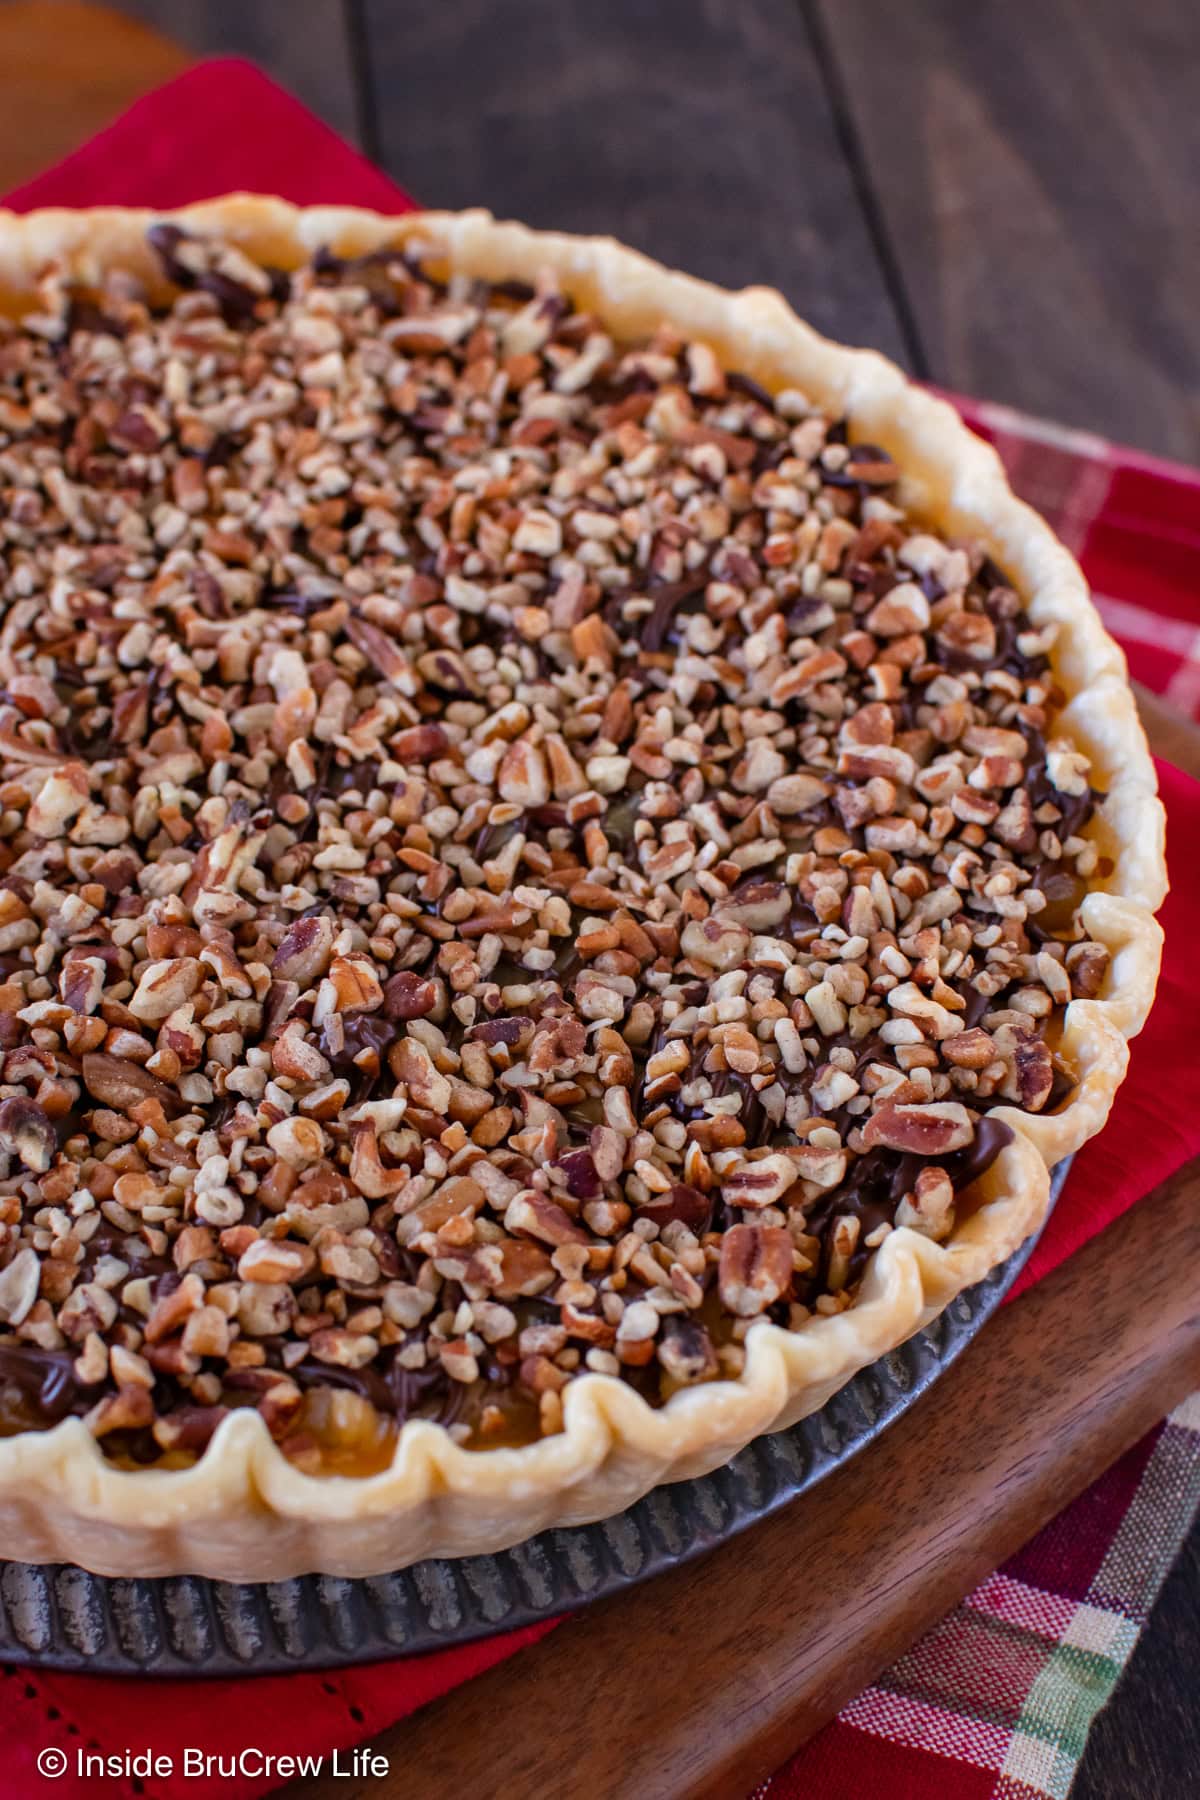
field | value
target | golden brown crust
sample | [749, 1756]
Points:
[243, 1512]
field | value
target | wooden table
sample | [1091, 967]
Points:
[1002, 196]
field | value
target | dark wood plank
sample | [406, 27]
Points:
[304, 44]
[1173, 737]
[1170, 734]
[708, 1678]
[1036, 169]
[1146, 1741]
[696, 130]
[66, 70]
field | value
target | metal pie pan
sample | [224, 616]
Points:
[59, 1617]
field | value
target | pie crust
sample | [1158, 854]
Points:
[242, 1512]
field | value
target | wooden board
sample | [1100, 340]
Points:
[699, 132]
[66, 70]
[1036, 167]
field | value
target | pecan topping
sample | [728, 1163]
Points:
[520, 858]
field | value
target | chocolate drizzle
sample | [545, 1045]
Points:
[45, 1380]
[1075, 809]
[365, 1036]
[236, 301]
[877, 1183]
[666, 602]
[739, 383]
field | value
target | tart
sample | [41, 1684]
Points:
[570, 857]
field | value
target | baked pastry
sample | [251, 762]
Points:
[570, 857]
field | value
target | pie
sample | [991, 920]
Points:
[570, 857]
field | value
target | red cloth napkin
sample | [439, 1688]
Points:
[216, 128]
[222, 126]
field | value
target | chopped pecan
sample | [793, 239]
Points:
[188, 1427]
[1032, 1074]
[62, 797]
[304, 951]
[276, 1260]
[460, 1197]
[755, 1268]
[687, 1353]
[412, 1064]
[26, 1132]
[346, 1349]
[164, 986]
[1087, 965]
[19, 1280]
[355, 984]
[933, 1129]
[715, 942]
[128, 1409]
[172, 1309]
[531, 1215]
[683, 1204]
[121, 1084]
[511, 1269]
[762, 1181]
[408, 996]
[929, 1209]
[300, 1142]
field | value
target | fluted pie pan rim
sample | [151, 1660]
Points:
[243, 1512]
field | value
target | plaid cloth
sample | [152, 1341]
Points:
[997, 1700]
[995, 1703]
